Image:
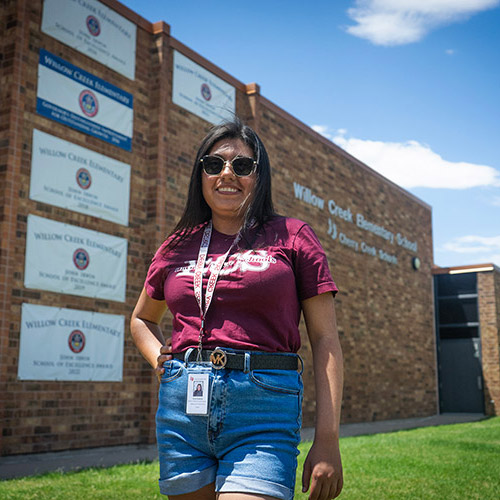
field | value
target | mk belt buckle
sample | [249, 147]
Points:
[218, 358]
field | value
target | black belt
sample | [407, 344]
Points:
[236, 360]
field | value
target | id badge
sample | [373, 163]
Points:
[197, 394]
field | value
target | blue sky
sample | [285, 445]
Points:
[410, 87]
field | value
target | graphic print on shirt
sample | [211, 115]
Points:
[251, 260]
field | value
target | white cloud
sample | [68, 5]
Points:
[398, 22]
[412, 164]
[449, 52]
[324, 131]
[484, 248]
[473, 244]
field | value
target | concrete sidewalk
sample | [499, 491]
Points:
[39, 463]
[347, 430]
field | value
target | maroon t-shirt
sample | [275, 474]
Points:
[256, 304]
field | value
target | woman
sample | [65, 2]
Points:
[235, 277]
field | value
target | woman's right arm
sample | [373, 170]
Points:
[145, 327]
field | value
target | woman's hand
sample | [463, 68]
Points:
[323, 470]
[165, 355]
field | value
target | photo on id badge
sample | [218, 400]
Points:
[197, 394]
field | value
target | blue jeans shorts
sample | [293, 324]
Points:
[248, 441]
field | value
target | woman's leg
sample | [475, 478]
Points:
[205, 493]
[243, 496]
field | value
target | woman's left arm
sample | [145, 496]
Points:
[323, 466]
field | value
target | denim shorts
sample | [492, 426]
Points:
[248, 441]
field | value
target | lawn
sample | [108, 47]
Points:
[449, 462]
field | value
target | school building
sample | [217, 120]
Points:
[101, 115]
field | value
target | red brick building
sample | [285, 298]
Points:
[378, 239]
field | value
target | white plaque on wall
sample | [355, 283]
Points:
[68, 344]
[201, 92]
[69, 176]
[69, 259]
[95, 30]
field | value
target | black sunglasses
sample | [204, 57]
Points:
[242, 166]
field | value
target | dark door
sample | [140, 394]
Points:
[460, 375]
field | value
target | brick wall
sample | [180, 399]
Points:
[13, 45]
[488, 284]
[385, 311]
[50, 415]
[496, 396]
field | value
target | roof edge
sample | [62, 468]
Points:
[471, 268]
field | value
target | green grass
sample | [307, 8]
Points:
[434, 463]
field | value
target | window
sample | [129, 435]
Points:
[457, 315]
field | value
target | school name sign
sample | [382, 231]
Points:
[68, 259]
[359, 220]
[69, 176]
[68, 344]
[93, 29]
[201, 92]
[78, 99]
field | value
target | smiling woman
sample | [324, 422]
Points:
[262, 270]
[227, 194]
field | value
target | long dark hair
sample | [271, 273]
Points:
[196, 210]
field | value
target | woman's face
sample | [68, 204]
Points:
[226, 194]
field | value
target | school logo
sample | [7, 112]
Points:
[88, 103]
[81, 259]
[93, 25]
[249, 261]
[76, 341]
[83, 178]
[206, 93]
